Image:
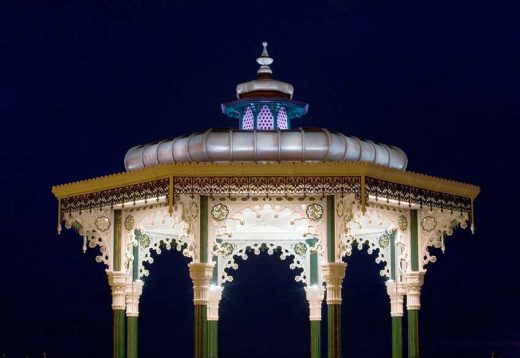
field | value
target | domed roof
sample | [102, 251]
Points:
[265, 109]
[232, 145]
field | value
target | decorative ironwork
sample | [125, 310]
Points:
[404, 194]
[131, 193]
[266, 186]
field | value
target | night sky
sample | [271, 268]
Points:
[83, 81]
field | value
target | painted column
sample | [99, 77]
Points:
[396, 292]
[117, 280]
[315, 295]
[214, 296]
[132, 294]
[333, 274]
[200, 274]
[413, 281]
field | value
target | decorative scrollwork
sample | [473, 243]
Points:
[93, 226]
[435, 225]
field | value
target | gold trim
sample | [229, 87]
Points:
[268, 169]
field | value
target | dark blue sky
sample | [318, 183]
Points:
[83, 81]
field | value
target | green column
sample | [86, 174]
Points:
[212, 339]
[413, 314]
[118, 314]
[413, 334]
[119, 334]
[132, 349]
[333, 310]
[315, 339]
[397, 337]
[132, 321]
[201, 309]
[200, 331]
[334, 330]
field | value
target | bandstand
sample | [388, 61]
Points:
[311, 194]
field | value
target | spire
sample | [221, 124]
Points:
[264, 61]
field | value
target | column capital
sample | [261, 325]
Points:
[133, 293]
[413, 282]
[117, 281]
[396, 292]
[214, 296]
[333, 274]
[315, 295]
[201, 274]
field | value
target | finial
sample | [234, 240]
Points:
[264, 61]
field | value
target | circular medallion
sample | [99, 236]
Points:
[219, 212]
[129, 222]
[227, 248]
[102, 223]
[402, 223]
[384, 241]
[144, 241]
[314, 212]
[428, 223]
[300, 248]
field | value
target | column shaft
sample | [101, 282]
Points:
[334, 330]
[315, 339]
[413, 333]
[200, 331]
[132, 348]
[119, 333]
[212, 339]
[397, 337]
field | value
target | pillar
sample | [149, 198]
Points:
[315, 296]
[132, 295]
[413, 282]
[333, 274]
[214, 296]
[117, 281]
[200, 274]
[396, 292]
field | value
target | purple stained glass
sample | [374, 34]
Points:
[247, 119]
[265, 119]
[282, 119]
